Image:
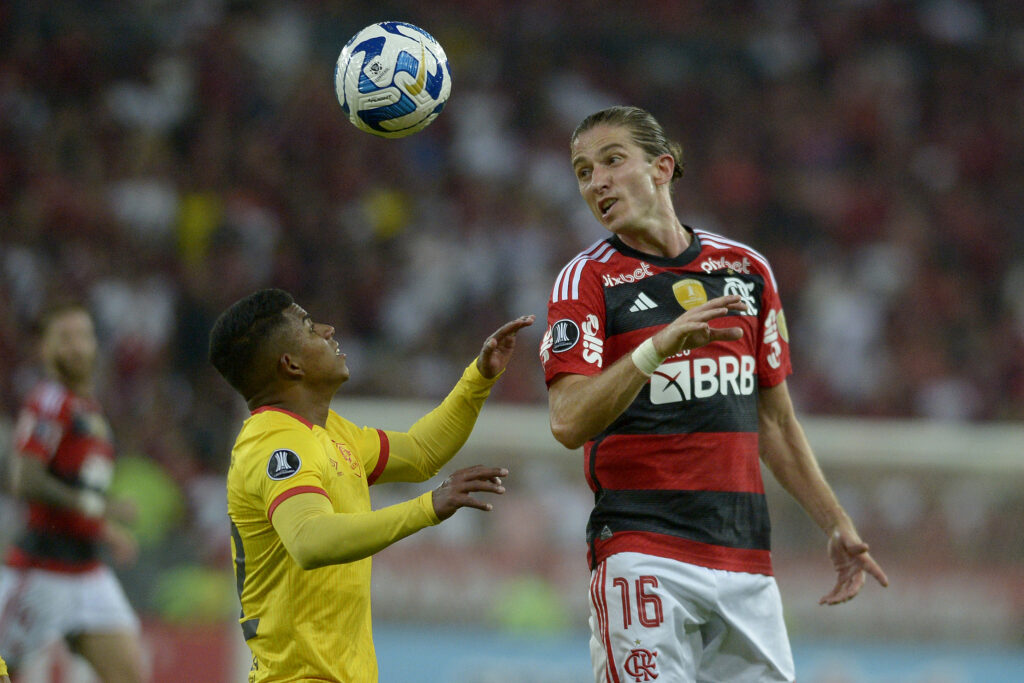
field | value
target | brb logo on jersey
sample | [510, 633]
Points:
[702, 378]
[283, 464]
[642, 664]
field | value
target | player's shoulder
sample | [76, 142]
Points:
[340, 426]
[584, 267]
[275, 419]
[48, 397]
[271, 440]
[718, 252]
[341, 430]
[273, 428]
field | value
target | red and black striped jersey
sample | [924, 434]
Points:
[70, 435]
[678, 473]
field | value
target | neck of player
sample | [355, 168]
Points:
[311, 405]
[669, 239]
[79, 384]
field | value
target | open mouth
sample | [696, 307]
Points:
[605, 205]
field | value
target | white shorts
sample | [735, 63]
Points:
[653, 618]
[39, 607]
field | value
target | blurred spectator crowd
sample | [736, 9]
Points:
[161, 159]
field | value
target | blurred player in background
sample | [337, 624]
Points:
[666, 357]
[302, 527]
[55, 584]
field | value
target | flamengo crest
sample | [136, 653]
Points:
[641, 664]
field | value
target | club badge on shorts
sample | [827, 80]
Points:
[641, 664]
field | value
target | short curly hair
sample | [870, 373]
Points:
[242, 334]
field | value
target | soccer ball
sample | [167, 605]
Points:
[392, 79]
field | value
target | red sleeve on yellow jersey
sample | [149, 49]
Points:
[382, 458]
[368, 444]
[293, 492]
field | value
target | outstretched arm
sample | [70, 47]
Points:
[435, 438]
[316, 536]
[787, 453]
[582, 406]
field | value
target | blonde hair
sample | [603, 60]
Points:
[645, 130]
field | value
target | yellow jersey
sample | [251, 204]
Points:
[315, 624]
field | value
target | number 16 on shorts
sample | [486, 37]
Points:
[625, 617]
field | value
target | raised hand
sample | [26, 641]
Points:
[691, 329]
[455, 492]
[498, 347]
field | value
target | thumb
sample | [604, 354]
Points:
[857, 548]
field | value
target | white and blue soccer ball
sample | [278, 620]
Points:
[392, 79]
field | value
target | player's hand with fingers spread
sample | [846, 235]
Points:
[851, 559]
[498, 347]
[691, 329]
[455, 492]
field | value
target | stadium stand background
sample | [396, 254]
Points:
[161, 159]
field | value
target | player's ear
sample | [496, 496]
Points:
[664, 166]
[289, 366]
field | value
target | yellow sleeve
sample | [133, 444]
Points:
[3, 667]
[316, 536]
[435, 438]
[289, 462]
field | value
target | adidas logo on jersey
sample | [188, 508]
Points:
[642, 303]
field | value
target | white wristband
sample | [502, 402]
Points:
[646, 358]
[91, 504]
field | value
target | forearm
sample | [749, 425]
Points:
[581, 407]
[32, 482]
[787, 453]
[435, 438]
[315, 536]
